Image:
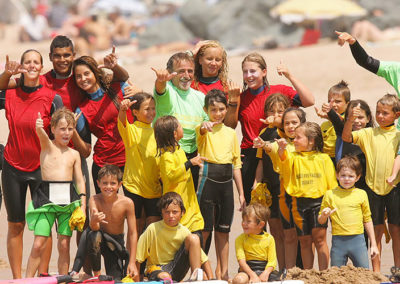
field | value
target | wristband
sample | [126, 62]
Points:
[233, 104]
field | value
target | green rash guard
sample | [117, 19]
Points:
[187, 107]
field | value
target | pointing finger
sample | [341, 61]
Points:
[132, 102]
[7, 59]
[39, 115]
[113, 49]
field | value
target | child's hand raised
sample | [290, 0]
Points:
[328, 212]
[355, 112]
[163, 75]
[321, 113]
[345, 37]
[126, 104]
[269, 120]
[131, 90]
[258, 142]
[198, 160]
[39, 121]
[282, 143]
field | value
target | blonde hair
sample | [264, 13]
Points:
[260, 212]
[313, 131]
[390, 100]
[341, 88]
[60, 114]
[258, 59]
[222, 72]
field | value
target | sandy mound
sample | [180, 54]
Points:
[337, 275]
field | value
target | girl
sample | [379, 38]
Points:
[175, 170]
[307, 174]
[142, 174]
[211, 68]
[99, 115]
[21, 165]
[291, 118]
[252, 101]
[275, 105]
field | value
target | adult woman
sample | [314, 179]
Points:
[251, 109]
[99, 114]
[21, 165]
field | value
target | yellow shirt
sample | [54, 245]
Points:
[329, 135]
[308, 174]
[160, 242]
[141, 173]
[273, 154]
[380, 146]
[352, 210]
[176, 178]
[219, 146]
[256, 247]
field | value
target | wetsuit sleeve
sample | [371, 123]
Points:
[2, 99]
[188, 164]
[56, 104]
[297, 101]
[337, 122]
[363, 59]
[122, 86]
[83, 128]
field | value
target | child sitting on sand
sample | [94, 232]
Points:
[58, 195]
[349, 211]
[168, 246]
[255, 249]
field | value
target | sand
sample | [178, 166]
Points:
[319, 67]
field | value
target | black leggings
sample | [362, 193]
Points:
[194, 170]
[95, 173]
[248, 171]
[15, 185]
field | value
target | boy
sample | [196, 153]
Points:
[255, 249]
[105, 235]
[56, 198]
[168, 246]
[379, 145]
[349, 211]
[338, 99]
[219, 145]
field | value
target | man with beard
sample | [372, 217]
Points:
[174, 96]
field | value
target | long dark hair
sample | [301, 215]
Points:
[91, 63]
[364, 106]
[164, 129]
[258, 59]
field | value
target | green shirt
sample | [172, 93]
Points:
[187, 107]
[390, 70]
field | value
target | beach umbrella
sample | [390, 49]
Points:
[294, 11]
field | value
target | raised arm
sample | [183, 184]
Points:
[111, 62]
[306, 97]
[232, 115]
[80, 181]
[132, 241]
[359, 54]
[45, 142]
[163, 76]
[348, 125]
[11, 68]
[125, 105]
[82, 130]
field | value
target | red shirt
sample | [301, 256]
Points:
[102, 118]
[205, 88]
[66, 88]
[252, 109]
[23, 147]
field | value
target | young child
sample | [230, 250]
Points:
[141, 173]
[105, 235]
[58, 195]
[275, 106]
[338, 98]
[380, 145]
[175, 170]
[307, 174]
[291, 119]
[348, 209]
[255, 249]
[168, 246]
[219, 145]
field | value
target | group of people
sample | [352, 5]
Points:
[176, 154]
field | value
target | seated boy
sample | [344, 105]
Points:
[255, 249]
[168, 246]
[57, 197]
[105, 235]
